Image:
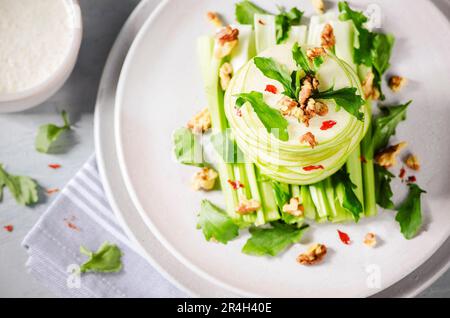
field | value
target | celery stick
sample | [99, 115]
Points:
[265, 34]
[320, 200]
[370, 204]
[298, 34]
[241, 175]
[269, 203]
[254, 189]
[295, 191]
[354, 168]
[308, 204]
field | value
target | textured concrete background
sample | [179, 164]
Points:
[102, 22]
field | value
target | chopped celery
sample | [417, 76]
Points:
[308, 204]
[355, 171]
[254, 189]
[265, 34]
[319, 197]
[269, 203]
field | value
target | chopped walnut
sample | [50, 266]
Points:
[227, 39]
[370, 91]
[204, 179]
[225, 74]
[388, 157]
[370, 240]
[317, 108]
[319, 6]
[315, 52]
[328, 38]
[289, 107]
[314, 255]
[201, 122]
[214, 19]
[247, 206]
[396, 83]
[413, 162]
[306, 90]
[310, 139]
[294, 208]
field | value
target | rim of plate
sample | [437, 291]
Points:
[133, 195]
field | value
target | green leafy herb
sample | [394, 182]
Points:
[381, 52]
[301, 59]
[282, 193]
[409, 214]
[106, 260]
[274, 240]
[383, 191]
[23, 189]
[50, 133]
[188, 148]
[246, 10]
[271, 69]
[346, 195]
[385, 124]
[284, 21]
[216, 224]
[271, 118]
[346, 98]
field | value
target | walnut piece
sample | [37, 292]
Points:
[310, 139]
[289, 107]
[370, 240]
[201, 122]
[370, 91]
[413, 162]
[214, 18]
[294, 208]
[317, 108]
[388, 157]
[319, 6]
[327, 37]
[314, 255]
[227, 39]
[306, 90]
[315, 52]
[205, 179]
[225, 74]
[396, 83]
[247, 206]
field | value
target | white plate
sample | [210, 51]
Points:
[160, 88]
[150, 247]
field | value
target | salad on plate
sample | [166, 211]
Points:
[292, 134]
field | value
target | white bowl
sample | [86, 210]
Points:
[15, 102]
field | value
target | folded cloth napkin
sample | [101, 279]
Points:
[81, 216]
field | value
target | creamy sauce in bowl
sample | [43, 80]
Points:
[36, 36]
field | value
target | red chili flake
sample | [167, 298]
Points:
[9, 228]
[54, 166]
[412, 179]
[344, 237]
[71, 225]
[261, 22]
[238, 112]
[402, 173]
[328, 124]
[271, 89]
[363, 159]
[51, 191]
[236, 184]
[311, 168]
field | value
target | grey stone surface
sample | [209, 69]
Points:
[102, 22]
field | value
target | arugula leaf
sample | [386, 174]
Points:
[381, 51]
[385, 124]
[23, 189]
[273, 70]
[383, 192]
[282, 193]
[409, 214]
[362, 51]
[274, 240]
[346, 194]
[301, 59]
[187, 148]
[50, 133]
[345, 98]
[246, 10]
[107, 259]
[216, 224]
[270, 117]
[284, 21]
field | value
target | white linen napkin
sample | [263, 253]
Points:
[81, 215]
